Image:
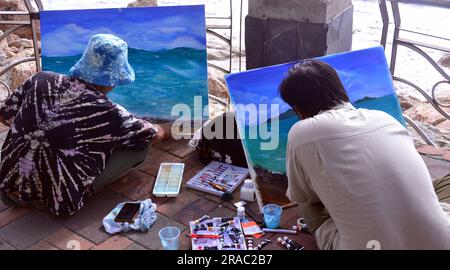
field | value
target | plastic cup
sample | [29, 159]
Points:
[170, 238]
[272, 215]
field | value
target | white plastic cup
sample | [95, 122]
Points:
[170, 238]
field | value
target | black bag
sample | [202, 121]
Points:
[227, 148]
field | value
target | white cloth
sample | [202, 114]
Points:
[363, 166]
[147, 216]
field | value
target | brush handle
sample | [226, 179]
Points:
[279, 231]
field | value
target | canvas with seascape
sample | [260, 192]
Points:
[367, 80]
[167, 49]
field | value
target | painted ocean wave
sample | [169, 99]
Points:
[163, 79]
[275, 161]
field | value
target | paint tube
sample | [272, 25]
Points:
[285, 244]
[293, 244]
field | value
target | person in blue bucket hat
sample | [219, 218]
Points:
[65, 132]
[105, 62]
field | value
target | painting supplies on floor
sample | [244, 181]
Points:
[169, 180]
[261, 246]
[241, 213]
[204, 236]
[285, 244]
[248, 191]
[252, 229]
[217, 234]
[281, 231]
[294, 244]
[272, 216]
[170, 238]
[258, 218]
[218, 178]
[289, 244]
[250, 244]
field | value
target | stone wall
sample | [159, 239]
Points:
[15, 5]
[431, 121]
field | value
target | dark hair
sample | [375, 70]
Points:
[313, 86]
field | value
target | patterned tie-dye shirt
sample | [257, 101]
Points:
[62, 134]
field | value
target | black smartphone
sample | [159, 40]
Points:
[128, 213]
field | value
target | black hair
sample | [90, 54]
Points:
[313, 86]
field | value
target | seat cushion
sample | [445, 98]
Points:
[122, 160]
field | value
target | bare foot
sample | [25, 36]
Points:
[167, 130]
[163, 134]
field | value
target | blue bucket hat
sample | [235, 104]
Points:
[104, 62]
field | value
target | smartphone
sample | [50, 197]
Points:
[128, 213]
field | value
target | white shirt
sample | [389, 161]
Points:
[363, 166]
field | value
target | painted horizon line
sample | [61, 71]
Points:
[357, 104]
[136, 50]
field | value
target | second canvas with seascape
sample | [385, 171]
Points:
[167, 50]
[366, 78]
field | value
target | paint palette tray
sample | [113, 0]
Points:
[228, 232]
[218, 178]
[169, 180]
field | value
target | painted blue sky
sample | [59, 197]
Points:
[66, 33]
[364, 74]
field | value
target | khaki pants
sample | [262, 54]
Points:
[323, 228]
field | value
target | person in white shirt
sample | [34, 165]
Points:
[356, 174]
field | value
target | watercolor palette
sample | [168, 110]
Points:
[217, 234]
[169, 180]
[218, 178]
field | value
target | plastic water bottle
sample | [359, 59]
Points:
[241, 213]
[248, 191]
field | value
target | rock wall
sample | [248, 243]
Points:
[445, 60]
[15, 5]
[435, 125]
[14, 47]
[143, 3]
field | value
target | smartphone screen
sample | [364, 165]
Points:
[128, 213]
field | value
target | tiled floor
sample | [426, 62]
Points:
[85, 231]
[31, 229]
